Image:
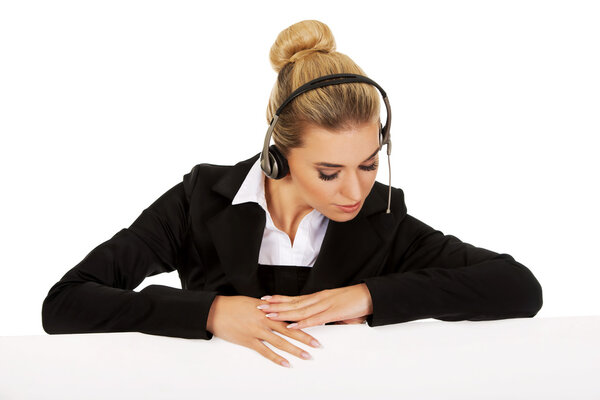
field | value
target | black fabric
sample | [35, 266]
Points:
[287, 280]
[412, 270]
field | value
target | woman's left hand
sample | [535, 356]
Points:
[349, 304]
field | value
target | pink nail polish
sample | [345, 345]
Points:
[265, 297]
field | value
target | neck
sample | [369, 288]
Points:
[286, 206]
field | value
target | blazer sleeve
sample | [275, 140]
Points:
[441, 277]
[97, 294]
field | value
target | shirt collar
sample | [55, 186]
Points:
[253, 187]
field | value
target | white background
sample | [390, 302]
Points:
[106, 105]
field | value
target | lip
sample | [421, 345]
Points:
[349, 209]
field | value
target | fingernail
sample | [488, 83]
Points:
[271, 315]
[262, 306]
[305, 355]
[292, 325]
[265, 297]
[315, 343]
[285, 363]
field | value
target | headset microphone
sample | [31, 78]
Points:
[272, 161]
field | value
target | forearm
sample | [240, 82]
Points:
[493, 289]
[160, 310]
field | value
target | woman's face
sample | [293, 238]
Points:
[336, 168]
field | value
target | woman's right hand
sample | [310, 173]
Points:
[237, 320]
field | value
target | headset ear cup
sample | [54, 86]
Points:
[280, 160]
[380, 135]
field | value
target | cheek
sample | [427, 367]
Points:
[316, 191]
[320, 192]
[367, 184]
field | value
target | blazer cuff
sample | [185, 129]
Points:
[378, 300]
[177, 312]
[384, 294]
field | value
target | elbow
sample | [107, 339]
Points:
[516, 293]
[49, 315]
[47, 322]
[52, 309]
[528, 291]
[536, 300]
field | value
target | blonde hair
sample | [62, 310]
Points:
[305, 51]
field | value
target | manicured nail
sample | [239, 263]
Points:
[265, 297]
[262, 306]
[274, 314]
[292, 325]
[305, 355]
[315, 343]
[285, 363]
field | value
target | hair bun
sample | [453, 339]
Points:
[299, 40]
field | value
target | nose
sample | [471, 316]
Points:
[351, 188]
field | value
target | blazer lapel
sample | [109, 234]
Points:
[237, 232]
[349, 250]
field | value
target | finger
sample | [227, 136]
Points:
[266, 352]
[299, 311]
[313, 320]
[284, 345]
[310, 298]
[297, 334]
[294, 303]
[312, 315]
[278, 298]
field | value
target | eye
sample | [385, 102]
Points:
[371, 167]
[325, 177]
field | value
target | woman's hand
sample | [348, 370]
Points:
[350, 304]
[237, 320]
[360, 320]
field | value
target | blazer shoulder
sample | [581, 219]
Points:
[206, 173]
[398, 204]
[223, 179]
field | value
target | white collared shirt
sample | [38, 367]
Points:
[276, 247]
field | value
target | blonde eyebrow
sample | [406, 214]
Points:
[326, 164]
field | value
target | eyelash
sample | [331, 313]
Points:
[324, 177]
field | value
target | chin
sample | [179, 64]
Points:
[341, 216]
[342, 219]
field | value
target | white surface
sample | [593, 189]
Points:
[522, 358]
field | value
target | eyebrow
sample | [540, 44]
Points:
[325, 164]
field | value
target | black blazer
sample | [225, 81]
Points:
[411, 270]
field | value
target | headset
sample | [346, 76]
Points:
[272, 161]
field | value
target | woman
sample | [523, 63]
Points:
[320, 236]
